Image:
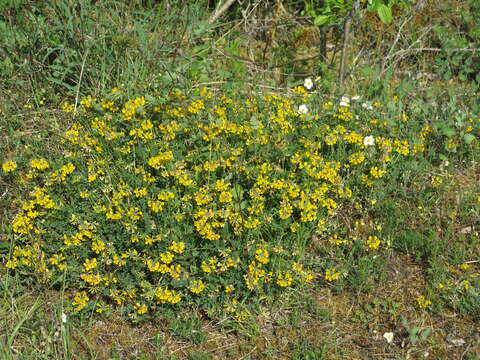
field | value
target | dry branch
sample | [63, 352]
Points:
[220, 11]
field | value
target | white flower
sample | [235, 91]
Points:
[368, 141]
[356, 97]
[64, 318]
[308, 83]
[388, 336]
[367, 106]
[344, 101]
[302, 109]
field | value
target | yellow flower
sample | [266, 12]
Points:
[376, 172]
[197, 287]
[285, 210]
[140, 192]
[84, 194]
[39, 164]
[80, 300]
[356, 158]
[175, 271]
[422, 302]
[141, 308]
[9, 166]
[331, 274]
[155, 205]
[307, 276]
[134, 213]
[98, 246]
[466, 284]
[436, 181]
[262, 256]
[158, 161]
[221, 185]
[177, 247]
[205, 267]
[331, 139]
[373, 242]
[167, 296]
[285, 279]
[68, 107]
[225, 197]
[166, 257]
[90, 264]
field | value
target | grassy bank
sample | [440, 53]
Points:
[172, 189]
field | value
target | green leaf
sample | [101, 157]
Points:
[448, 131]
[321, 20]
[60, 82]
[385, 13]
[373, 5]
[468, 138]
[425, 333]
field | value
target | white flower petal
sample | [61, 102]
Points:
[308, 83]
[369, 141]
[388, 336]
[302, 109]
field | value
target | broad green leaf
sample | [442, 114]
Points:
[468, 138]
[321, 20]
[448, 131]
[385, 13]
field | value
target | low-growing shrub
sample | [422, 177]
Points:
[201, 199]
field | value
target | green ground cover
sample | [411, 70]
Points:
[175, 189]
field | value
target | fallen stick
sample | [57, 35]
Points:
[220, 11]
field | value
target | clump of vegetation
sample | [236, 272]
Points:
[222, 200]
[203, 198]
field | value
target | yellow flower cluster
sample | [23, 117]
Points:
[177, 247]
[39, 164]
[422, 302]
[159, 160]
[9, 166]
[436, 181]
[196, 106]
[61, 174]
[80, 301]
[153, 204]
[373, 242]
[24, 220]
[284, 279]
[376, 172]
[131, 107]
[197, 286]
[331, 274]
[164, 296]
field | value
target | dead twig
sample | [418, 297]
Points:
[411, 14]
[346, 39]
[80, 80]
[220, 11]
